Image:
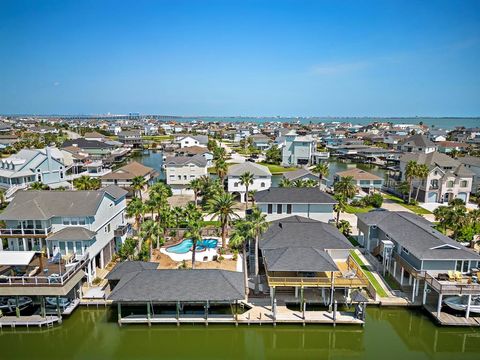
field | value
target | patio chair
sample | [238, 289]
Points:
[458, 276]
[55, 259]
[451, 275]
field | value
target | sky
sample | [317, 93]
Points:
[240, 58]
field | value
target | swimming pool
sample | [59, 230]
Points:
[187, 244]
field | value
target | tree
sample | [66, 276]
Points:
[38, 186]
[196, 185]
[241, 234]
[194, 231]
[340, 206]
[421, 174]
[85, 182]
[322, 170]
[273, 155]
[136, 209]
[246, 179]
[221, 168]
[344, 227]
[138, 183]
[285, 183]
[127, 249]
[2, 197]
[151, 232]
[346, 187]
[259, 225]
[221, 207]
[410, 173]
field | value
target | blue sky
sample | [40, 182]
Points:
[300, 58]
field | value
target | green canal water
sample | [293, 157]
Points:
[388, 334]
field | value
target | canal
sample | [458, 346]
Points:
[388, 334]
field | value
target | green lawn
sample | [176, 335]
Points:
[378, 288]
[212, 223]
[357, 210]
[157, 137]
[278, 169]
[415, 208]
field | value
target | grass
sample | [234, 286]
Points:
[357, 210]
[415, 208]
[391, 282]
[278, 169]
[215, 223]
[157, 137]
[378, 288]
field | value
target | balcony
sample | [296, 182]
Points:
[122, 230]
[465, 286]
[25, 232]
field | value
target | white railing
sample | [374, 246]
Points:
[13, 189]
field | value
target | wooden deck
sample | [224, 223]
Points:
[447, 319]
[28, 321]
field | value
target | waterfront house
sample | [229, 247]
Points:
[32, 165]
[296, 149]
[299, 253]
[472, 163]
[261, 142]
[447, 147]
[131, 138]
[94, 136]
[312, 203]
[94, 148]
[67, 224]
[364, 180]
[181, 170]
[300, 174]
[186, 141]
[8, 140]
[262, 178]
[417, 144]
[124, 175]
[413, 251]
[197, 150]
[447, 179]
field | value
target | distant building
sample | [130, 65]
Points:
[181, 170]
[124, 175]
[262, 178]
[417, 144]
[132, 138]
[297, 150]
[364, 180]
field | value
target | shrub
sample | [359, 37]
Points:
[375, 200]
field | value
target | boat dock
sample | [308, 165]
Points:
[446, 319]
[29, 321]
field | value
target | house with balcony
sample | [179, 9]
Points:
[472, 163]
[365, 181]
[297, 149]
[124, 175]
[131, 138]
[447, 179]
[311, 203]
[193, 140]
[261, 142]
[422, 259]
[181, 170]
[417, 144]
[66, 225]
[262, 178]
[300, 254]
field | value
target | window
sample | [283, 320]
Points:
[66, 221]
[81, 221]
[459, 266]
[279, 208]
[235, 184]
[269, 208]
[109, 227]
[450, 183]
[406, 251]
[262, 184]
[289, 208]
[463, 183]
[74, 221]
[465, 266]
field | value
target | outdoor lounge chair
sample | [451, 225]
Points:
[55, 259]
[458, 276]
[451, 275]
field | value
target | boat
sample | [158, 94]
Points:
[459, 303]
[8, 305]
[52, 302]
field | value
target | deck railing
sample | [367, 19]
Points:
[51, 280]
[452, 287]
[26, 231]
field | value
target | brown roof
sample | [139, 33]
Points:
[194, 150]
[93, 134]
[358, 174]
[129, 171]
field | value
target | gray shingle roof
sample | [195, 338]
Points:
[294, 196]
[180, 285]
[122, 269]
[198, 160]
[418, 140]
[44, 204]
[434, 159]
[305, 259]
[299, 174]
[417, 235]
[72, 233]
[255, 169]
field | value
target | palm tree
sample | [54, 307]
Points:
[421, 174]
[196, 185]
[299, 183]
[344, 227]
[441, 215]
[38, 186]
[136, 209]
[85, 182]
[246, 179]
[150, 231]
[322, 170]
[2, 197]
[242, 232]
[221, 167]
[259, 225]
[410, 173]
[178, 214]
[346, 187]
[194, 231]
[221, 207]
[138, 183]
[340, 206]
[285, 183]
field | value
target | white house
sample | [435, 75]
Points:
[67, 222]
[186, 141]
[296, 149]
[417, 144]
[181, 170]
[262, 178]
[279, 203]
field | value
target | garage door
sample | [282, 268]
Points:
[462, 196]
[432, 197]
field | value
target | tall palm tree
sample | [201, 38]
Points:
[136, 209]
[194, 231]
[178, 213]
[421, 174]
[196, 185]
[344, 227]
[346, 187]
[221, 168]
[246, 179]
[259, 224]
[242, 233]
[138, 183]
[441, 215]
[38, 186]
[221, 207]
[285, 183]
[151, 232]
[322, 170]
[340, 206]
[410, 173]
[85, 182]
